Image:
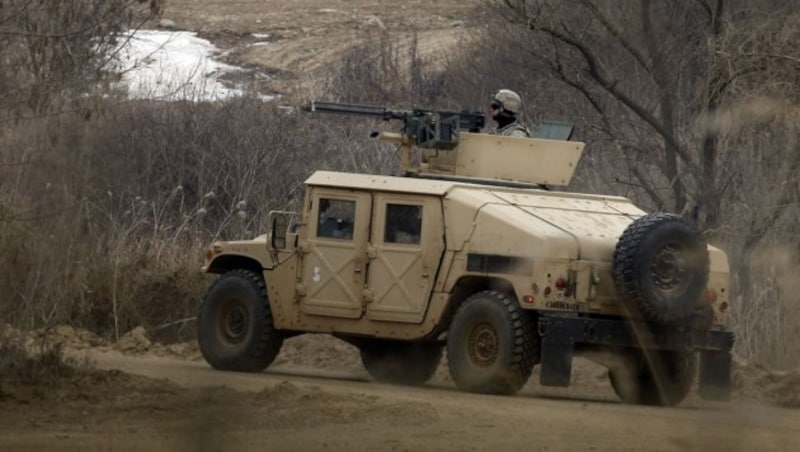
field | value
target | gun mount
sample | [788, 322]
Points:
[450, 147]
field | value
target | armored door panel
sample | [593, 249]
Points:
[333, 270]
[404, 256]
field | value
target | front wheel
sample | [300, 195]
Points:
[235, 330]
[491, 346]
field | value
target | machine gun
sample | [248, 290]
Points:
[424, 128]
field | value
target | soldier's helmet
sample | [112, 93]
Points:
[508, 101]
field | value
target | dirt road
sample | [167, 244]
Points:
[287, 43]
[192, 407]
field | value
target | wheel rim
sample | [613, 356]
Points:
[669, 269]
[233, 321]
[483, 345]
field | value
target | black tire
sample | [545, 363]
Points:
[235, 330]
[661, 267]
[402, 363]
[491, 345]
[665, 381]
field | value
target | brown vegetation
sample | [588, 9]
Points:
[107, 204]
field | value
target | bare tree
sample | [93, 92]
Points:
[53, 53]
[651, 71]
[694, 108]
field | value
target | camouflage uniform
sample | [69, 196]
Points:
[514, 129]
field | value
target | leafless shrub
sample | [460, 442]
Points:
[106, 229]
[765, 310]
[18, 364]
[388, 70]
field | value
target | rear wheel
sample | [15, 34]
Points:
[491, 345]
[235, 330]
[665, 379]
[403, 363]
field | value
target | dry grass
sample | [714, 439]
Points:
[18, 364]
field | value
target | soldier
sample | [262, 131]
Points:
[505, 107]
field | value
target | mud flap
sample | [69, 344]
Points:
[558, 345]
[556, 364]
[715, 375]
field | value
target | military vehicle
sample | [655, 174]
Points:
[472, 252]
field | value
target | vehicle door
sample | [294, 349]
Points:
[405, 251]
[334, 262]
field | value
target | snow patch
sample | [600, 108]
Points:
[172, 65]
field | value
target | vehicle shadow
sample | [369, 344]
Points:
[579, 394]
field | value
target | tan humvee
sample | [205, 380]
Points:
[472, 252]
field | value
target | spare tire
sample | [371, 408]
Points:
[661, 267]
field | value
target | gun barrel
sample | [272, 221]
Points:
[358, 110]
[465, 120]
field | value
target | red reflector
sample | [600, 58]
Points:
[529, 299]
[561, 283]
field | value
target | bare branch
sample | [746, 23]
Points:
[617, 34]
[611, 86]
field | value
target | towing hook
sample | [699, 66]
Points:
[591, 332]
[542, 327]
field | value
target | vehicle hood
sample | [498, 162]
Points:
[537, 223]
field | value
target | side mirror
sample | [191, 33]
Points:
[280, 225]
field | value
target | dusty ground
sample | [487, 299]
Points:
[138, 395]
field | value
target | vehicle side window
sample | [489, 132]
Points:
[336, 219]
[403, 224]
